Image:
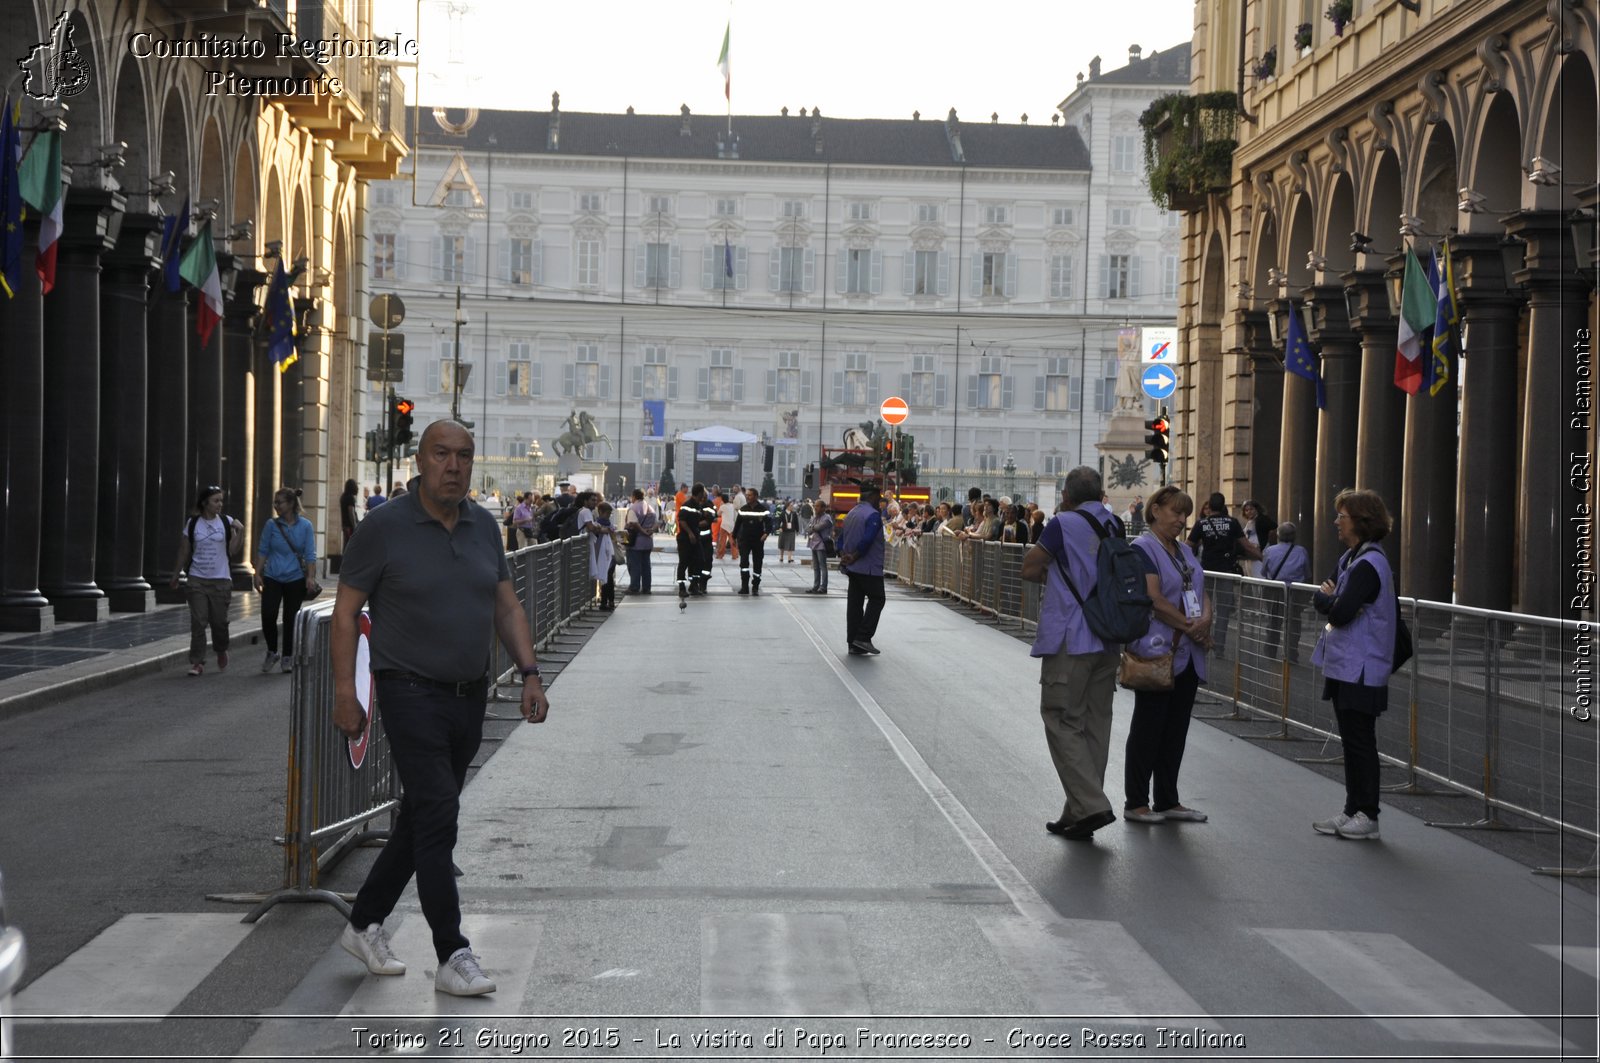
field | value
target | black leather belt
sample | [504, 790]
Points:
[458, 690]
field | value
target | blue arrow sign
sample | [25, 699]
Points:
[1159, 381]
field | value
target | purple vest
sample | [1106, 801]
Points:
[1363, 650]
[1061, 623]
[1161, 638]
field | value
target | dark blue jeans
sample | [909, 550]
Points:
[1157, 735]
[638, 571]
[433, 736]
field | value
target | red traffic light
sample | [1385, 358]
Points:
[1159, 424]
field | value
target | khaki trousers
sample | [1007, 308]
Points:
[208, 608]
[1075, 692]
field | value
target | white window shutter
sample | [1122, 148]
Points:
[944, 273]
[873, 394]
[805, 386]
[972, 391]
[738, 385]
[1134, 271]
[672, 382]
[877, 273]
[703, 384]
[1007, 392]
[1105, 276]
[741, 268]
[809, 277]
[469, 257]
[905, 384]
[639, 260]
[1012, 263]
[977, 275]
[1038, 392]
[841, 271]
[505, 260]
[431, 379]
[1075, 393]
[500, 372]
[538, 262]
[708, 279]
[909, 272]
[674, 266]
[772, 385]
[569, 384]
[838, 387]
[605, 381]
[775, 269]
[638, 381]
[436, 255]
[940, 390]
[536, 379]
[400, 251]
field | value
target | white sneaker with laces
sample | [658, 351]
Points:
[460, 976]
[1359, 828]
[270, 660]
[371, 947]
[1330, 826]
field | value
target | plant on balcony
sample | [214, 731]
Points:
[1188, 147]
[1302, 36]
[1339, 13]
[1267, 66]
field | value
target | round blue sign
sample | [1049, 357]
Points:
[1159, 381]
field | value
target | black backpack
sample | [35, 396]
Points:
[562, 524]
[1118, 607]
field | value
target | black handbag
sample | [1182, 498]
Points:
[1403, 649]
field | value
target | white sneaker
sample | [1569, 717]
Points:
[1330, 826]
[1359, 828]
[269, 661]
[460, 976]
[371, 947]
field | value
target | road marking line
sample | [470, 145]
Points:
[143, 964]
[779, 963]
[506, 945]
[1383, 975]
[1585, 959]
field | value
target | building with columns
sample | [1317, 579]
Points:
[1472, 119]
[112, 414]
[782, 279]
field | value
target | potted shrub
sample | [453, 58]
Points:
[1339, 13]
[1188, 147]
[1302, 37]
[1267, 65]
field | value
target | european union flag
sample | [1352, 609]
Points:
[11, 208]
[1298, 359]
[280, 321]
[172, 231]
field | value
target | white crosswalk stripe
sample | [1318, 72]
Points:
[779, 964]
[143, 964]
[1383, 975]
[1585, 959]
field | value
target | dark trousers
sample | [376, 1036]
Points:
[1157, 735]
[433, 736]
[608, 587]
[1223, 595]
[1358, 731]
[1275, 627]
[862, 606]
[638, 571]
[819, 570]
[292, 595]
[751, 553]
[688, 562]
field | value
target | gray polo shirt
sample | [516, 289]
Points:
[431, 592]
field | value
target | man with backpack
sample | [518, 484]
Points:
[1094, 600]
[639, 525]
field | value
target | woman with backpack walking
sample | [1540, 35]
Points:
[1180, 626]
[286, 573]
[209, 540]
[639, 526]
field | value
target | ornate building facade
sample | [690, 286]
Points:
[1400, 126]
[114, 414]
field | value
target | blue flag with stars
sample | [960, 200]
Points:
[1298, 359]
[280, 321]
[1441, 274]
[11, 208]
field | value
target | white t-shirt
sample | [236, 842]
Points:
[210, 560]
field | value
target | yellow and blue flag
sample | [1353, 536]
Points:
[1446, 315]
[1298, 359]
[280, 321]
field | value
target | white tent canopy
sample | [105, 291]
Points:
[719, 433]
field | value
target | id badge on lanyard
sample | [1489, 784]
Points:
[1191, 603]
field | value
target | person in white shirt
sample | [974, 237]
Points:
[209, 539]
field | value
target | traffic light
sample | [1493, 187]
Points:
[402, 421]
[1158, 438]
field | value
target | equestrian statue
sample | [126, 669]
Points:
[581, 431]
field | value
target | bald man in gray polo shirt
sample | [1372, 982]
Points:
[430, 567]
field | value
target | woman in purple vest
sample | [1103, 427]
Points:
[1181, 626]
[1356, 654]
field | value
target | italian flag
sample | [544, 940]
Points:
[1416, 317]
[199, 268]
[722, 63]
[40, 178]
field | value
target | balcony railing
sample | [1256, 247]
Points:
[1188, 147]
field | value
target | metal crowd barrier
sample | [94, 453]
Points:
[1479, 712]
[331, 805]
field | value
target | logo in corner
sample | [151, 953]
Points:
[54, 69]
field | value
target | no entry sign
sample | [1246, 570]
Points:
[894, 410]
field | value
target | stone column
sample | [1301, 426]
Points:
[22, 607]
[124, 336]
[1338, 423]
[1558, 299]
[1266, 420]
[1297, 457]
[69, 517]
[1485, 534]
[169, 493]
[238, 462]
[1380, 455]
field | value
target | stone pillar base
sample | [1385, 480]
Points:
[166, 595]
[78, 609]
[27, 618]
[132, 600]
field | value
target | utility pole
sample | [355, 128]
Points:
[455, 364]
